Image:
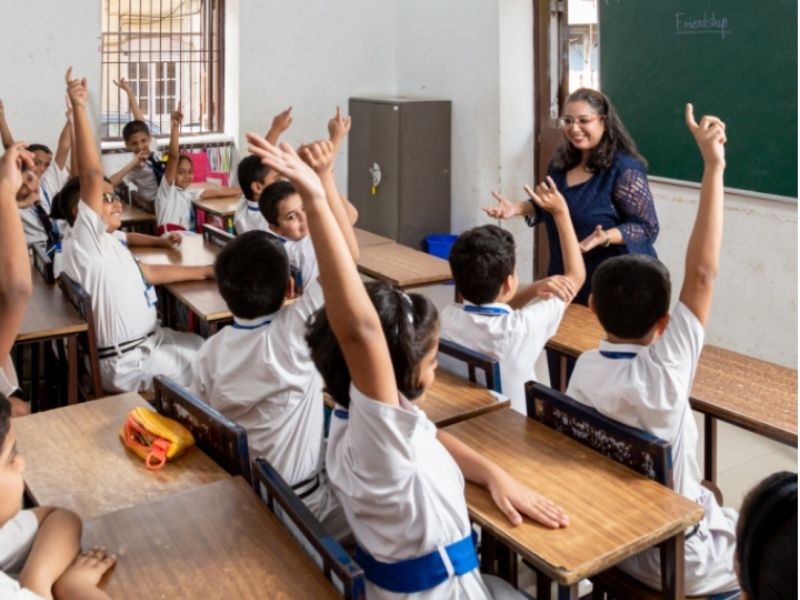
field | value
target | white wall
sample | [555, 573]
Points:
[39, 41]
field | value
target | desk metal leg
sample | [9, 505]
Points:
[72, 366]
[710, 454]
[672, 565]
[562, 384]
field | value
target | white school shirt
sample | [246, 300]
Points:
[174, 205]
[11, 590]
[515, 338]
[109, 273]
[402, 492]
[650, 391]
[248, 217]
[50, 183]
[66, 238]
[144, 178]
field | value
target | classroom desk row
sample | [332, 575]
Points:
[749, 393]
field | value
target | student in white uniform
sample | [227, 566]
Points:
[499, 319]
[174, 208]
[133, 348]
[259, 371]
[642, 374]
[401, 482]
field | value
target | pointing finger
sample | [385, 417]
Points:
[689, 116]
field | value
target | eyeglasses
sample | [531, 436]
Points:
[110, 198]
[567, 122]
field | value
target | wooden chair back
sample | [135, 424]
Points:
[474, 361]
[43, 262]
[222, 439]
[216, 236]
[335, 560]
[142, 203]
[87, 343]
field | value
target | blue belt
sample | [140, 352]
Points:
[422, 573]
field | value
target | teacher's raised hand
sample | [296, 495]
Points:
[506, 209]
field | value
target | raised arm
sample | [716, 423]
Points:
[15, 284]
[90, 170]
[352, 316]
[702, 253]
[174, 151]
[338, 128]
[62, 149]
[73, 157]
[135, 109]
[280, 123]
[5, 132]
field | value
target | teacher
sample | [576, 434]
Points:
[603, 179]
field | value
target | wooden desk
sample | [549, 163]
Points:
[452, 399]
[402, 266]
[193, 251]
[753, 394]
[614, 513]
[75, 459]
[135, 219]
[367, 238]
[223, 208]
[204, 300]
[215, 541]
[50, 316]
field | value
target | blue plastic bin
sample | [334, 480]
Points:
[440, 244]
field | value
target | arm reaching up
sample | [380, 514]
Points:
[135, 109]
[5, 132]
[90, 170]
[702, 254]
[280, 123]
[174, 151]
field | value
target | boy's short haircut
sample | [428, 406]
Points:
[766, 539]
[65, 201]
[410, 323]
[133, 127]
[250, 169]
[5, 418]
[39, 147]
[252, 273]
[631, 293]
[481, 260]
[271, 198]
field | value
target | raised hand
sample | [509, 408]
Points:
[318, 155]
[504, 209]
[285, 161]
[2, 110]
[709, 135]
[547, 197]
[11, 165]
[339, 126]
[123, 85]
[176, 118]
[282, 121]
[76, 89]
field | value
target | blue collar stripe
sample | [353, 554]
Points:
[252, 208]
[485, 310]
[617, 355]
[236, 325]
[341, 413]
[422, 573]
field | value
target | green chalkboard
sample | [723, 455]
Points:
[736, 59]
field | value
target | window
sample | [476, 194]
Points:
[583, 40]
[169, 51]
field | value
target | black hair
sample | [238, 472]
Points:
[133, 127]
[187, 158]
[766, 539]
[271, 197]
[40, 147]
[5, 418]
[631, 293]
[410, 323]
[250, 169]
[252, 273]
[65, 201]
[481, 260]
[615, 137]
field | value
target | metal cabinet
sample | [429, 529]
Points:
[399, 166]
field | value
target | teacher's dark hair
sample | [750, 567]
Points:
[615, 137]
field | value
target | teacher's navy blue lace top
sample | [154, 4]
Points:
[616, 197]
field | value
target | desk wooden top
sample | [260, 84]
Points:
[614, 512]
[193, 251]
[366, 239]
[452, 399]
[49, 314]
[75, 459]
[747, 392]
[131, 214]
[402, 266]
[202, 298]
[215, 541]
[223, 207]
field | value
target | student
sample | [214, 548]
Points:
[766, 540]
[642, 374]
[259, 372]
[174, 209]
[51, 174]
[499, 319]
[401, 482]
[145, 168]
[254, 176]
[133, 348]
[65, 208]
